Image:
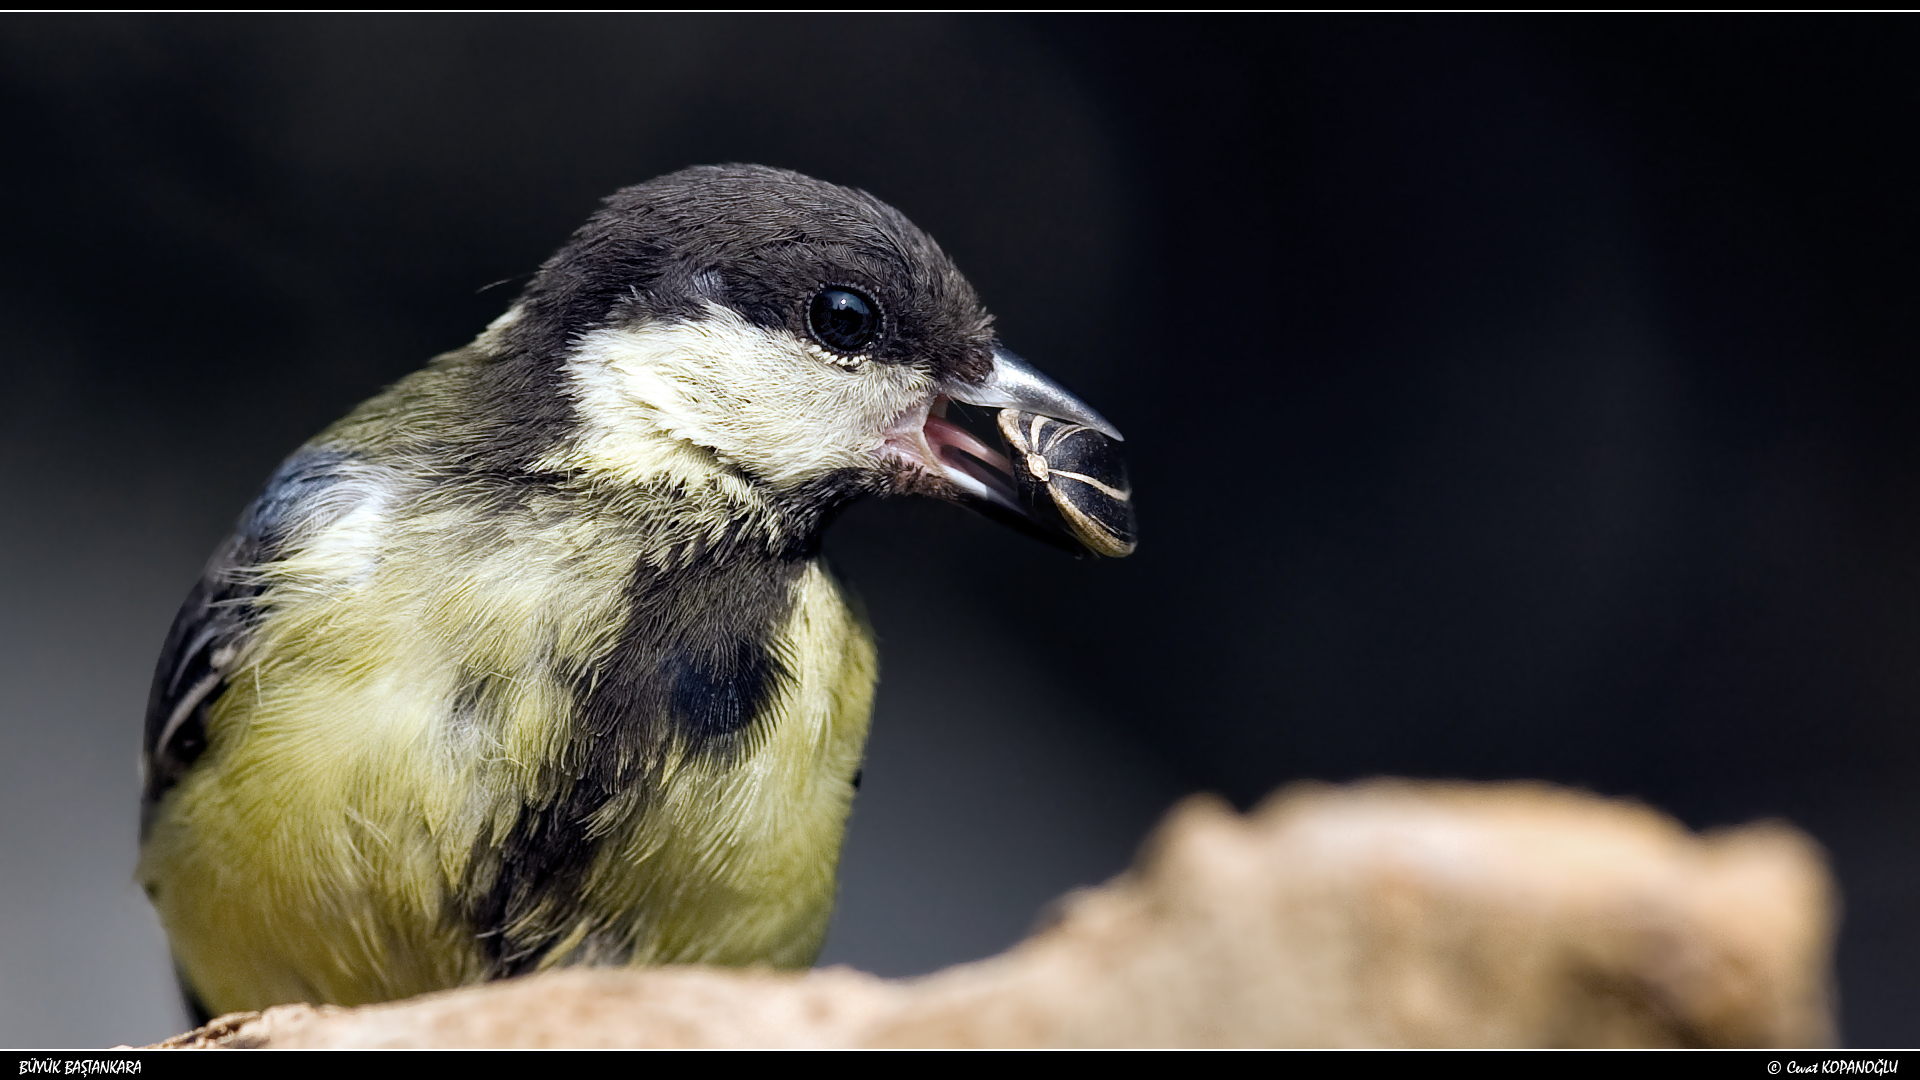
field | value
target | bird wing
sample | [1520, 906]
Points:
[213, 626]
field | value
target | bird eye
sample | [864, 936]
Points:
[844, 321]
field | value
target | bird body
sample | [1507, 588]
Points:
[531, 660]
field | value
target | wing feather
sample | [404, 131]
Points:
[211, 630]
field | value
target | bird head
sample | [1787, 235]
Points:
[803, 338]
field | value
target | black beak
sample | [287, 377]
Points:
[1062, 478]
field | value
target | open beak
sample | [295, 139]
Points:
[1058, 475]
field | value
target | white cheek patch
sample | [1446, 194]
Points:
[758, 399]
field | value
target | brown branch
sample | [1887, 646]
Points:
[1382, 914]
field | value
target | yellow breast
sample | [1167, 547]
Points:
[320, 850]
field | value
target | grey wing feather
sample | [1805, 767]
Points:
[211, 630]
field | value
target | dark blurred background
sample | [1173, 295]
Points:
[1505, 398]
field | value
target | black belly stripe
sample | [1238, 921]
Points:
[695, 666]
[716, 693]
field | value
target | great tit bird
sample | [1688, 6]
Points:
[531, 660]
